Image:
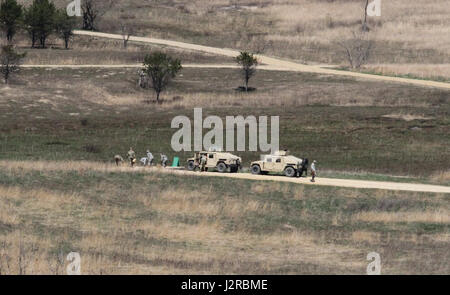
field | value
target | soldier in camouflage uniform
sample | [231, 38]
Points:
[143, 79]
[118, 159]
[132, 157]
[203, 163]
[149, 158]
[164, 160]
[313, 171]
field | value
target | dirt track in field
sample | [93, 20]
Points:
[121, 66]
[270, 62]
[351, 183]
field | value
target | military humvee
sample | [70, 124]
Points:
[279, 162]
[219, 160]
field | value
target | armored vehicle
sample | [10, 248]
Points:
[219, 160]
[279, 162]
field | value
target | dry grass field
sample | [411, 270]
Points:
[420, 71]
[87, 51]
[124, 222]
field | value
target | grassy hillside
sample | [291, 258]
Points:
[347, 125]
[154, 222]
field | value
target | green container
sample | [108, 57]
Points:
[176, 162]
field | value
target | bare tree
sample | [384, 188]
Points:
[365, 28]
[25, 257]
[92, 10]
[56, 263]
[357, 49]
[259, 44]
[9, 61]
[127, 31]
[5, 259]
[248, 35]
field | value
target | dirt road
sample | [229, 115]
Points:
[214, 66]
[269, 61]
[351, 183]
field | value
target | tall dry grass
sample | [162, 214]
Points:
[437, 216]
[111, 248]
[421, 24]
[423, 71]
[443, 177]
[335, 95]
[120, 229]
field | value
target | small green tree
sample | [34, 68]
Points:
[9, 61]
[40, 21]
[161, 69]
[64, 26]
[248, 63]
[10, 17]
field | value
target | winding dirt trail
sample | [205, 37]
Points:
[272, 62]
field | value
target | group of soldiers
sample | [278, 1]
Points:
[146, 161]
[200, 163]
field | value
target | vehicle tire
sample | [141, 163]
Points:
[234, 168]
[221, 167]
[289, 172]
[191, 166]
[256, 169]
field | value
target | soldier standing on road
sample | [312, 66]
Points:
[164, 160]
[149, 158]
[304, 167]
[203, 163]
[313, 171]
[196, 162]
[299, 171]
[132, 157]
